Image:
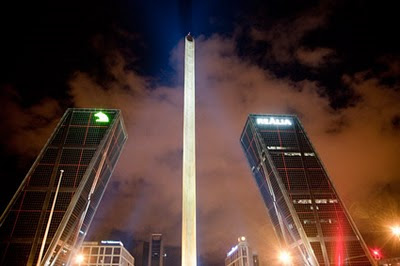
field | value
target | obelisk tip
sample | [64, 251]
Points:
[189, 37]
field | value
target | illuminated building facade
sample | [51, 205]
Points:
[105, 253]
[307, 214]
[240, 255]
[86, 145]
[156, 250]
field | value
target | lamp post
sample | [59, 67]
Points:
[49, 221]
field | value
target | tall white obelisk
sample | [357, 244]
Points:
[189, 255]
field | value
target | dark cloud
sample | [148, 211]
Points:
[285, 37]
[313, 57]
[27, 127]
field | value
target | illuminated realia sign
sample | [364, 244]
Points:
[101, 117]
[274, 121]
[112, 242]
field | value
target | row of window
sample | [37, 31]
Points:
[322, 221]
[317, 201]
[101, 250]
[307, 154]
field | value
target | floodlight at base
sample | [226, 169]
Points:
[285, 257]
[396, 231]
[79, 258]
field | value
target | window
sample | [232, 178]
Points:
[108, 250]
[302, 201]
[292, 154]
[117, 250]
[276, 148]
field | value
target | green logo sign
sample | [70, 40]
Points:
[101, 117]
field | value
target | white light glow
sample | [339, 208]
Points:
[285, 257]
[396, 231]
[274, 121]
[79, 258]
[232, 250]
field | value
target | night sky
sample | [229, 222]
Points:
[335, 64]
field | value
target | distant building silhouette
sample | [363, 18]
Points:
[140, 251]
[156, 250]
[256, 261]
[172, 256]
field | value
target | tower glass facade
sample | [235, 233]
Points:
[86, 144]
[308, 216]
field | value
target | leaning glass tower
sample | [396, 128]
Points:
[308, 216]
[86, 145]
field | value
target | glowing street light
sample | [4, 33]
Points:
[79, 259]
[396, 231]
[285, 257]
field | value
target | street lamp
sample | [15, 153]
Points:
[285, 258]
[396, 231]
[79, 258]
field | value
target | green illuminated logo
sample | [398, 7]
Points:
[101, 117]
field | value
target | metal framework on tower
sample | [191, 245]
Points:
[86, 145]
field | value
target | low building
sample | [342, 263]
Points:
[104, 253]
